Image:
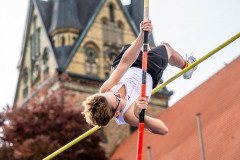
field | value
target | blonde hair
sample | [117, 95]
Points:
[97, 110]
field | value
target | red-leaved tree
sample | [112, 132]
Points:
[45, 124]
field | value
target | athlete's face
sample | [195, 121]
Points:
[117, 102]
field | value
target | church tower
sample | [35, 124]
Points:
[80, 38]
[64, 29]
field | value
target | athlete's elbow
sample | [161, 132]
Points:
[160, 131]
[164, 131]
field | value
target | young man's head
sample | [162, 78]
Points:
[100, 108]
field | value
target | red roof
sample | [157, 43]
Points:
[218, 102]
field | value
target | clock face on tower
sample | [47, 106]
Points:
[110, 57]
[91, 54]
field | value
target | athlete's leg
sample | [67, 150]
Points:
[174, 58]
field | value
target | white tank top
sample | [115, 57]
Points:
[132, 80]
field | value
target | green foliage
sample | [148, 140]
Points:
[45, 124]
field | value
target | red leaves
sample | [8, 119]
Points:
[45, 124]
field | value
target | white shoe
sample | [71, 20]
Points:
[189, 73]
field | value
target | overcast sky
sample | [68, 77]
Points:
[197, 26]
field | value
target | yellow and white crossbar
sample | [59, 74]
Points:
[153, 91]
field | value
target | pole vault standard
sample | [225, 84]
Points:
[144, 74]
[78, 139]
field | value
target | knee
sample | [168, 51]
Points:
[166, 44]
[168, 49]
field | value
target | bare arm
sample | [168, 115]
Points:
[152, 124]
[128, 58]
[155, 125]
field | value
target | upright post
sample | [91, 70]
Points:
[200, 135]
[144, 74]
[149, 153]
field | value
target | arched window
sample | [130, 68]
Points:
[105, 30]
[35, 40]
[91, 63]
[120, 33]
[112, 25]
[25, 91]
[63, 40]
[53, 42]
[91, 58]
[25, 81]
[35, 53]
[107, 75]
[45, 56]
[35, 72]
[109, 56]
[25, 75]
[32, 47]
[112, 33]
[45, 59]
[38, 42]
[35, 23]
[111, 12]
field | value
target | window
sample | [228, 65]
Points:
[35, 50]
[53, 42]
[91, 65]
[32, 47]
[35, 23]
[111, 12]
[46, 72]
[25, 91]
[120, 33]
[110, 56]
[91, 58]
[25, 75]
[112, 25]
[63, 41]
[112, 33]
[35, 40]
[45, 59]
[38, 42]
[35, 72]
[107, 75]
[45, 56]
[25, 81]
[105, 30]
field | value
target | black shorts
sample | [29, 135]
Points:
[157, 61]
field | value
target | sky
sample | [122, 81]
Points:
[197, 26]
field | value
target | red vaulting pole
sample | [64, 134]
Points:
[144, 74]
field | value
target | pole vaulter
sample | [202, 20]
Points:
[153, 91]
